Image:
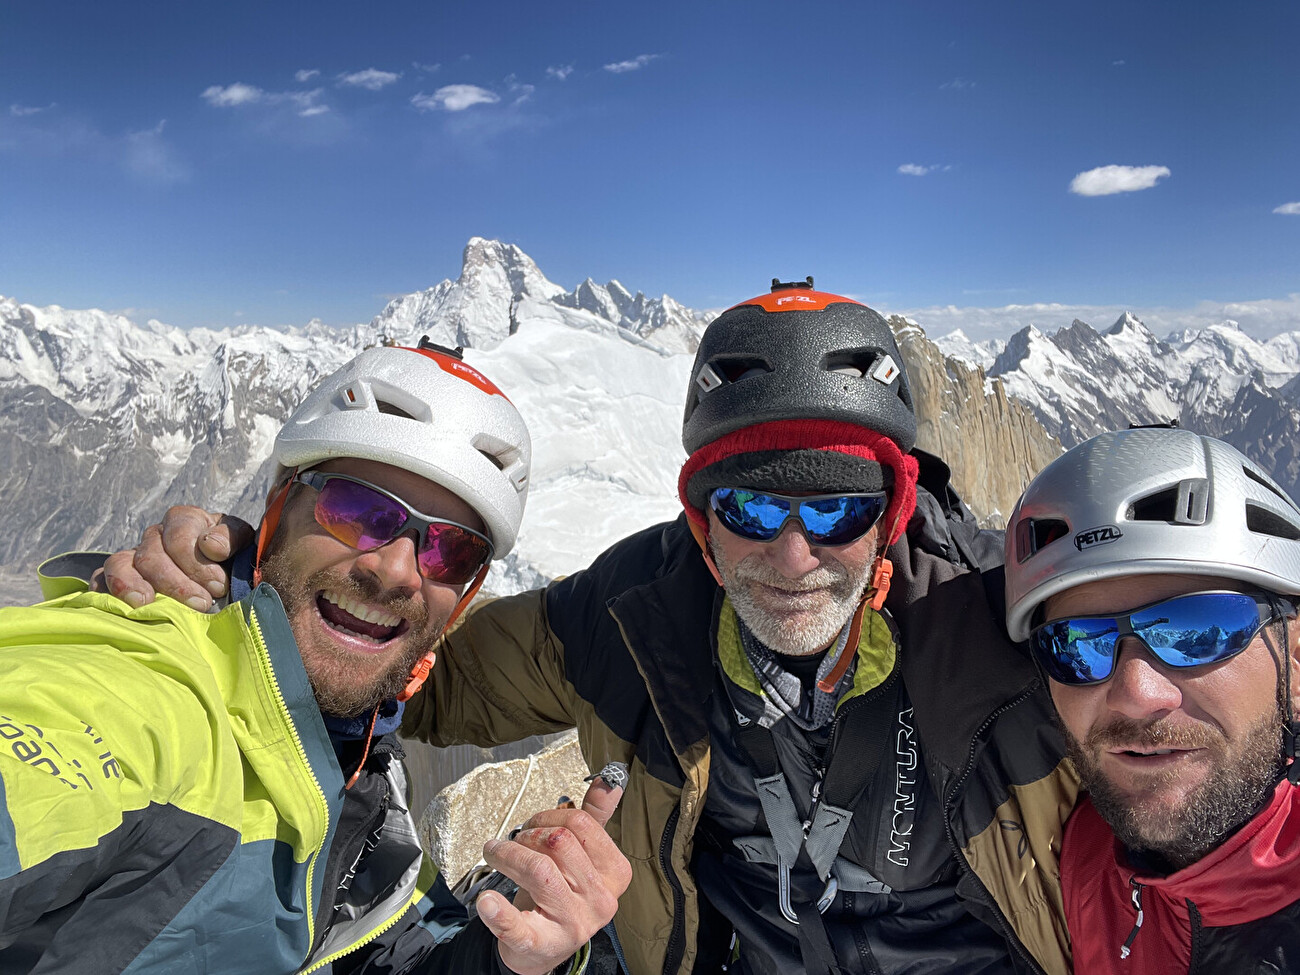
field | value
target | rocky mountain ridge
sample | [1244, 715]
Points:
[1216, 380]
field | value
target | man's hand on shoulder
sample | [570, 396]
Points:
[570, 876]
[181, 557]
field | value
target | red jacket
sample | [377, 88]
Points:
[1235, 910]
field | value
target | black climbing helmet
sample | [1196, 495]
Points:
[798, 354]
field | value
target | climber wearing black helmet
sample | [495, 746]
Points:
[838, 761]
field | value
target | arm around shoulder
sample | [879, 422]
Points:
[499, 678]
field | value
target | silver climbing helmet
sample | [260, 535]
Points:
[1142, 501]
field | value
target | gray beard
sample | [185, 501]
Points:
[775, 631]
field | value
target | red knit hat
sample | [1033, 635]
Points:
[802, 455]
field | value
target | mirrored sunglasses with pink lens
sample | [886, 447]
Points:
[366, 517]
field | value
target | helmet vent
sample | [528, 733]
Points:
[1186, 503]
[392, 410]
[1161, 506]
[735, 369]
[1263, 482]
[1033, 534]
[1265, 522]
[851, 362]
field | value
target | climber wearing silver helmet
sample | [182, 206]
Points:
[224, 793]
[1155, 573]
[824, 723]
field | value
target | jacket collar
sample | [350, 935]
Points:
[664, 623]
[1254, 874]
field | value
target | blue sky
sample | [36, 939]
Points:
[216, 164]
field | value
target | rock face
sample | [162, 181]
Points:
[493, 799]
[993, 444]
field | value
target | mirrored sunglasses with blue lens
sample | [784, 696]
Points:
[366, 517]
[827, 519]
[1186, 631]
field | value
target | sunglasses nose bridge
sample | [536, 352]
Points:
[1140, 684]
[396, 565]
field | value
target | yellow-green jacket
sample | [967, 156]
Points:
[170, 799]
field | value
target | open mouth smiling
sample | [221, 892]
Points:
[372, 628]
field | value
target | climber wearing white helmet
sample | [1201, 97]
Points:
[1155, 573]
[182, 791]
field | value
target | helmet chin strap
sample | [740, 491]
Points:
[420, 672]
[1290, 727]
[270, 521]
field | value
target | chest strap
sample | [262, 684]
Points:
[858, 739]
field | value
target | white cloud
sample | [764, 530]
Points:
[1108, 180]
[638, 62]
[455, 98]
[305, 75]
[1289, 209]
[306, 103]
[522, 93]
[912, 169]
[232, 95]
[1119, 64]
[426, 68]
[22, 111]
[559, 71]
[372, 79]
[957, 84]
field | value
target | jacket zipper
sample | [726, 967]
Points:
[264, 660]
[1136, 897]
[989, 900]
[268, 672]
[677, 938]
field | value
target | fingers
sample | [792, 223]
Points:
[601, 800]
[570, 876]
[121, 578]
[183, 528]
[227, 537]
[527, 945]
[577, 844]
[168, 561]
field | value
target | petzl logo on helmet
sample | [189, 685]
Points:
[786, 299]
[1097, 536]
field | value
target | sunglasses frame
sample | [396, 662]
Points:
[1270, 607]
[796, 503]
[415, 519]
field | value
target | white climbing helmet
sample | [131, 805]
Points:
[426, 411]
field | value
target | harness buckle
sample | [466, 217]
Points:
[783, 894]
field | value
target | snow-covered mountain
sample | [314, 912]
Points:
[103, 422]
[1215, 380]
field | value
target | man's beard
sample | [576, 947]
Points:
[338, 686]
[1178, 834]
[840, 593]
